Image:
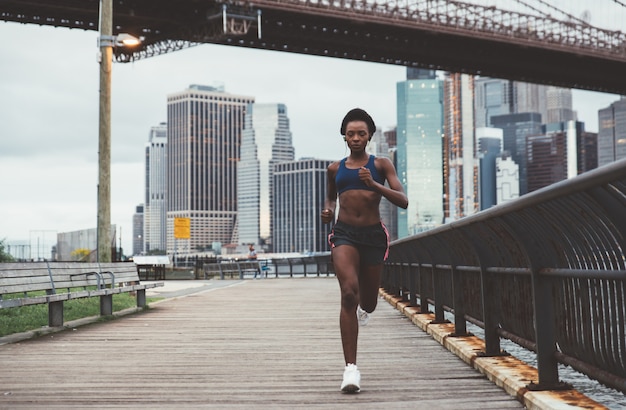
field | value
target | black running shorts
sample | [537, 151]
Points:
[371, 241]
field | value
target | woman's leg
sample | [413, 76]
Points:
[346, 264]
[369, 286]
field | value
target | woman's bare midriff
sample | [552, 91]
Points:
[359, 207]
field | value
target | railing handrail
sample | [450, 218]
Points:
[581, 183]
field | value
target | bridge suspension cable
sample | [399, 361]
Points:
[550, 6]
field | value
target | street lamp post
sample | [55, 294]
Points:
[104, 134]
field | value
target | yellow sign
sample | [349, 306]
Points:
[182, 228]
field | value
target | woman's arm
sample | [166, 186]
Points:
[395, 192]
[328, 213]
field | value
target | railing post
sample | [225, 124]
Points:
[460, 326]
[290, 267]
[545, 337]
[438, 296]
[491, 316]
[490, 313]
[422, 284]
[412, 283]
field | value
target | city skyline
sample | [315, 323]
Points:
[49, 114]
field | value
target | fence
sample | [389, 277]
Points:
[546, 271]
[319, 265]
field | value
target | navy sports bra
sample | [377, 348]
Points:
[347, 178]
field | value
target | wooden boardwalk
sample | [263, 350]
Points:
[257, 344]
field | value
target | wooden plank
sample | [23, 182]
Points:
[259, 344]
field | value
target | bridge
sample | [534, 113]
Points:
[530, 46]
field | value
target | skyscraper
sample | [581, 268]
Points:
[460, 156]
[489, 150]
[266, 140]
[515, 129]
[612, 132]
[204, 126]
[531, 97]
[507, 179]
[559, 105]
[379, 147]
[562, 151]
[420, 151]
[494, 96]
[299, 193]
[389, 212]
[138, 230]
[155, 205]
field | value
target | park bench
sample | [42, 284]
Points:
[22, 284]
[232, 269]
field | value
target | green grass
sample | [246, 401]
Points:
[25, 318]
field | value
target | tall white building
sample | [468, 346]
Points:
[155, 205]
[204, 126]
[266, 140]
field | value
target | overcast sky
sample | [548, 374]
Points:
[49, 80]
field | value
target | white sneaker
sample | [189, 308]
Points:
[362, 316]
[351, 379]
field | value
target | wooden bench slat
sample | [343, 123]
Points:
[69, 281]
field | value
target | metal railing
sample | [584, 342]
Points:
[319, 265]
[547, 271]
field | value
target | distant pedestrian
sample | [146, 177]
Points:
[359, 240]
[252, 256]
[251, 252]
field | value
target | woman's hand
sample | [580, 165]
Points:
[365, 175]
[327, 215]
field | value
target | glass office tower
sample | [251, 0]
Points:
[204, 126]
[420, 152]
[489, 150]
[515, 129]
[493, 96]
[612, 132]
[266, 140]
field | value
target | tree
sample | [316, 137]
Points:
[4, 256]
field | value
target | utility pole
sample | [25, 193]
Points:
[104, 140]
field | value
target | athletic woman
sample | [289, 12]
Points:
[359, 240]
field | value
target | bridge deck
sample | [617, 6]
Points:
[264, 344]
